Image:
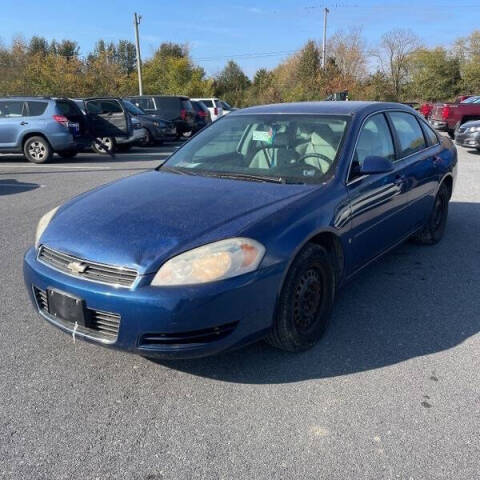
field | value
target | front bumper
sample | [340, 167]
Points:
[173, 316]
[471, 140]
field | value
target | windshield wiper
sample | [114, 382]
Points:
[248, 176]
[179, 171]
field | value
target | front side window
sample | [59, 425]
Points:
[283, 148]
[133, 109]
[12, 109]
[409, 133]
[144, 103]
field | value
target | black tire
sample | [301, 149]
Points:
[305, 302]
[68, 153]
[37, 150]
[147, 140]
[104, 145]
[434, 229]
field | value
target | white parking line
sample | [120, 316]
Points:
[78, 167]
[19, 185]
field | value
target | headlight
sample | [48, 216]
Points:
[474, 129]
[43, 224]
[156, 124]
[215, 261]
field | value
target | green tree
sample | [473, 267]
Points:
[231, 84]
[434, 75]
[38, 45]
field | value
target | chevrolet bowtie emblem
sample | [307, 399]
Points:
[77, 267]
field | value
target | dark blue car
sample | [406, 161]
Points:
[245, 232]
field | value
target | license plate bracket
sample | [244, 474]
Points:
[67, 308]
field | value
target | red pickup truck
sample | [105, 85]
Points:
[448, 117]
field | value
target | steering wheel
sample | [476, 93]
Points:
[315, 155]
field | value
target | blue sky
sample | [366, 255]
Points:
[218, 29]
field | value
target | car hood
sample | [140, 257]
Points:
[140, 221]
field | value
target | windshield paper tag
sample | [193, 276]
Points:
[261, 136]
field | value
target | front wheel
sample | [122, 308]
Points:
[434, 229]
[104, 145]
[305, 302]
[37, 150]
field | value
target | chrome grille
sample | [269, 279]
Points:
[100, 325]
[95, 272]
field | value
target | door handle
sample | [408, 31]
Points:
[23, 123]
[400, 180]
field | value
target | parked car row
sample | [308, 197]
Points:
[38, 127]
[460, 119]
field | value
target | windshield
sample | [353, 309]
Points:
[284, 148]
[471, 100]
[133, 109]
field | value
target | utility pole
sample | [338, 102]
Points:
[326, 11]
[136, 21]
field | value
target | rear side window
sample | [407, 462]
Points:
[375, 139]
[208, 103]
[36, 108]
[12, 109]
[430, 134]
[409, 133]
[143, 103]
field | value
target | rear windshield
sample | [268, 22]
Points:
[208, 103]
[12, 108]
[471, 100]
[187, 105]
[36, 108]
[169, 105]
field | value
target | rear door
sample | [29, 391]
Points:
[107, 117]
[420, 152]
[13, 119]
[378, 202]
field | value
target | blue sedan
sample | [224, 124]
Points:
[245, 232]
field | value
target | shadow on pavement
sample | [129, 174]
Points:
[11, 186]
[415, 301]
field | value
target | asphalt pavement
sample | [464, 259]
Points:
[391, 392]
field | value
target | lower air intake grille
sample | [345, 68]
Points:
[100, 325]
[206, 335]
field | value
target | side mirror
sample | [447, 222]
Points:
[374, 164]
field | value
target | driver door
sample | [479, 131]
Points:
[107, 117]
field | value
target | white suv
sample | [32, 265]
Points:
[214, 106]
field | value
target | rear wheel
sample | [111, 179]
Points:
[104, 145]
[306, 301]
[434, 229]
[37, 150]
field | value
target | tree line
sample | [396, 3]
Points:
[399, 68]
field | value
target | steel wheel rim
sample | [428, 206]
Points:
[104, 144]
[308, 300]
[37, 150]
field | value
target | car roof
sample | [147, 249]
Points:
[326, 107]
[183, 97]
